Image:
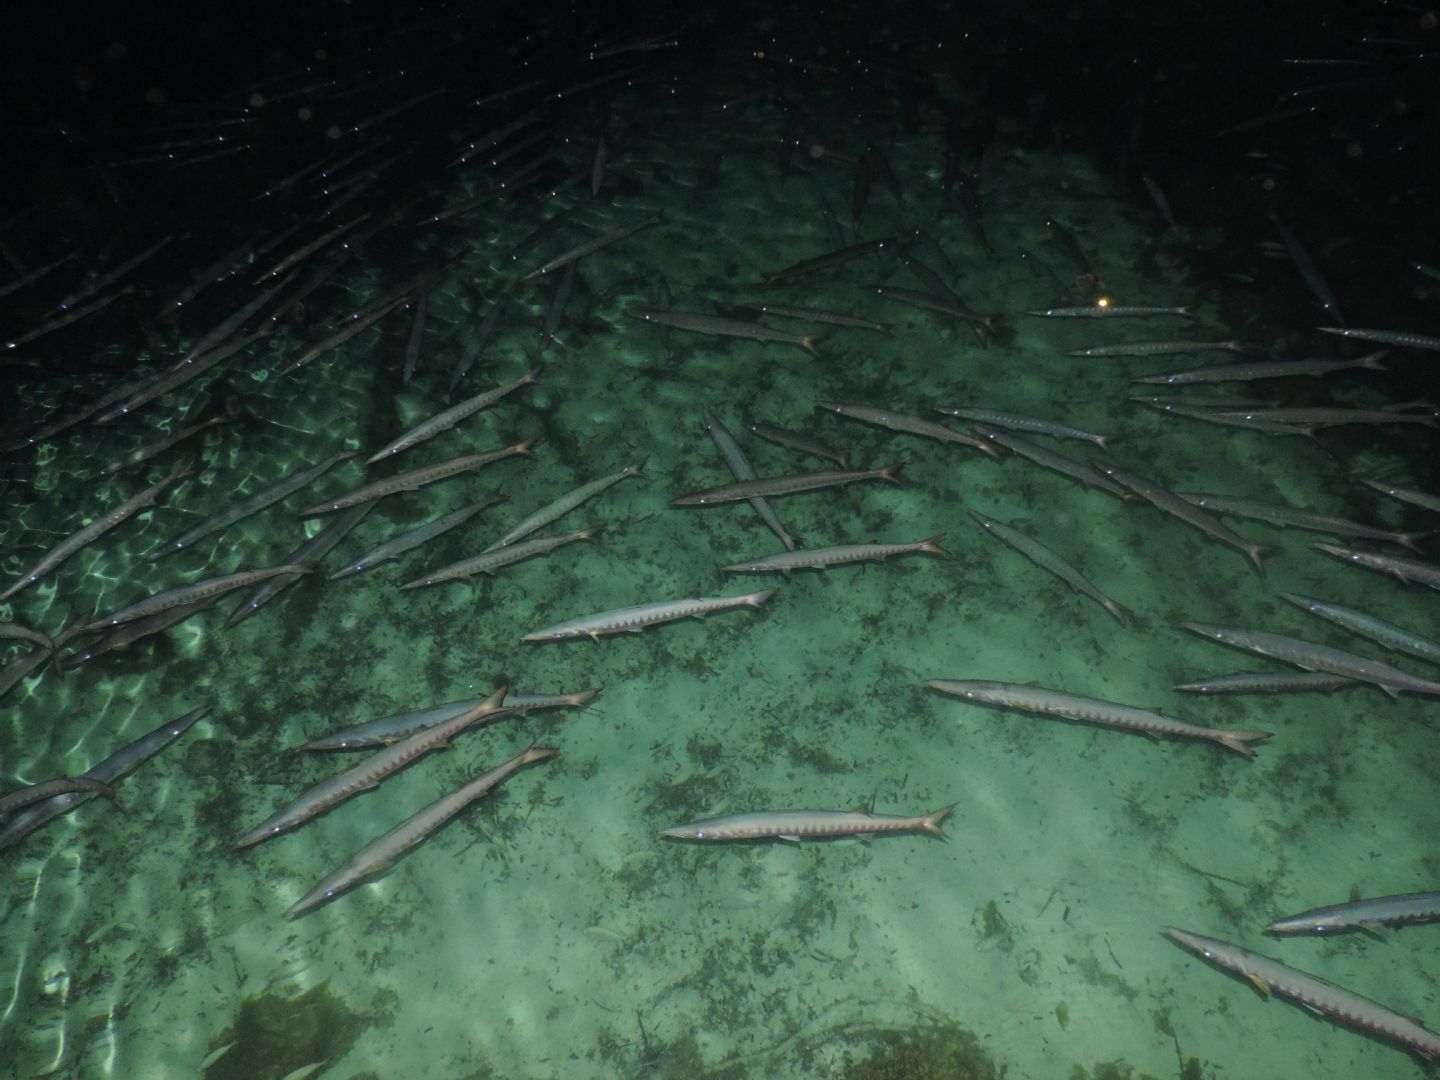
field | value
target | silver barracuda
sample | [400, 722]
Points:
[806, 825]
[1037, 699]
[390, 729]
[1192, 515]
[697, 322]
[634, 619]
[186, 595]
[909, 425]
[1110, 311]
[1393, 637]
[1049, 459]
[48, 789]
[1403, 338]
[413, 538]
[1313, 657]
[1410, 571]
[444, 421]
[491, 561]
[96, 529]
[823, 558]
[250, 505]
[418, 478]
[795, 484]
[742, 470]
[1043, 557]
[1031, 424]
[795, 440]
[1268, 369]
[384, 851]
[1158, 348]
[111, 771]
[1267, 682]
[1318, 996]
[563, 505]
[1404, 909]
[1293, 517]
[368, 774]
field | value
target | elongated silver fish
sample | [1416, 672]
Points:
[490, 561]
[1269, 369]
[1313, 657]
[742, 470]
[1403, 909]
[1049, 459]
[1378, 630]
[1158, 348]
[367, 775]
[1315, 416]
[1033, 424]
[111, 771]
[1422, 499]
[308, 553]
[96, 529]
[796, 483]
[795, 440]
[1110, 311]
[444, 421]
[61, 785]
[1297, 518]
[184, 596]
[634, 619]
[560, 507]
[697, 322]
[390, 729]
[16, 632]
[1403, 338]
[250, 505]
[823, 558]
[608, 237]
[1410, 571]
[806, 825]
[380, 853]
[413, 538]
[1318, 996]
[910, 425]
[418, 478]
[1267, 682]
[815, 315]
[1247, 420]
[1175, 506]
[1046, 559]
[1037, 699]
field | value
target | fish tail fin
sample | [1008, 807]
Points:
[1412, 539]
[931, 545]
[1103, 442]
[591, 532]
[1373, 361]
[1123, 615]
[536, 752]
[1238, 739]
[930, 823]
[809, 341]
[757, 599]
[891, 473]
[524, 445]
[1257, 553]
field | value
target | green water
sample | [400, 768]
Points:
[550, 932]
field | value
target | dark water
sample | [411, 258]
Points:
[549, 931]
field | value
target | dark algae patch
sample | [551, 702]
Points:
[275, 1035]
[938, 1052]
